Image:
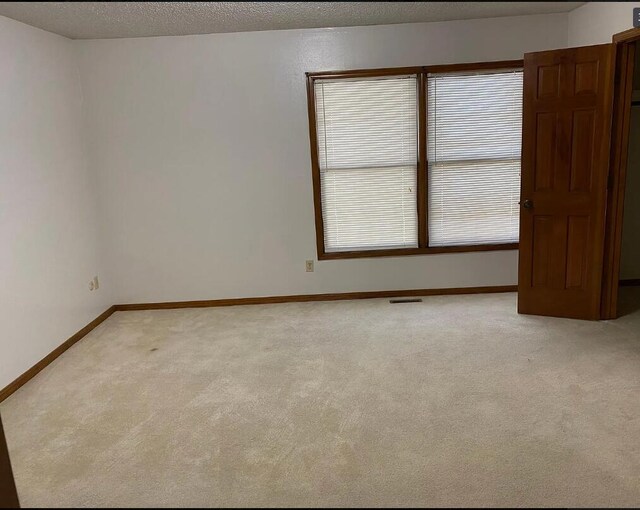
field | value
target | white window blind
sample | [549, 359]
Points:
[367, 154]
[473, 148]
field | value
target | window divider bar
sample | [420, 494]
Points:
[423, 178]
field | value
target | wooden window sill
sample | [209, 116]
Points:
[402, 252]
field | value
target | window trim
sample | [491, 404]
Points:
[422, 178]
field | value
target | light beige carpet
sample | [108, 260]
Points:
[454, 401]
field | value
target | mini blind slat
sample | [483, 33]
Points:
[367, 154]
[473, 149]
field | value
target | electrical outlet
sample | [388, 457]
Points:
[309, 266]
[96, 283]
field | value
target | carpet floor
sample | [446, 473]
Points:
[455, 401]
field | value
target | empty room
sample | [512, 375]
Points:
[324, 254]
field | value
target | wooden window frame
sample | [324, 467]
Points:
[422, 178]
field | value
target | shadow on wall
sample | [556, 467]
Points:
[628, 301]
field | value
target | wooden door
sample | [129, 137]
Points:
[565, 162]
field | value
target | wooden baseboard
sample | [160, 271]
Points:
[635, 282]
[314, 297]
[29, 374]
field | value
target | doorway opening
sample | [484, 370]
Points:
[621, 269]
[629, 280]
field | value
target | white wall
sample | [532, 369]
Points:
[201, 149]
[185, 172]
[596, 22]
[47, 223]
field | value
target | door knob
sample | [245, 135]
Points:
[527, 204]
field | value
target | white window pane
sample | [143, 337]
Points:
[367, 209]
[366, 123]
[367, 153]
[474, 203]
[473, 143]
[474, 116]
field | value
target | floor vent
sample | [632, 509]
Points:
[405, 300]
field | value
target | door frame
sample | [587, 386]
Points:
[8, 493]
[623, 85]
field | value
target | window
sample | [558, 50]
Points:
[474, 136]
[368, 159]
[416, 160]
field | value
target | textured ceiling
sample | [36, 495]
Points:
[97, 20]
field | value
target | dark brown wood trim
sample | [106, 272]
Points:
[35, 369]
[623, 85]
[631, 35]
[439, 68]
[315, 167]
[8, 492]
[630, 282]
[366, 73]
[316, 297]
[423, 177]
[473, 66]
[401, 252]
